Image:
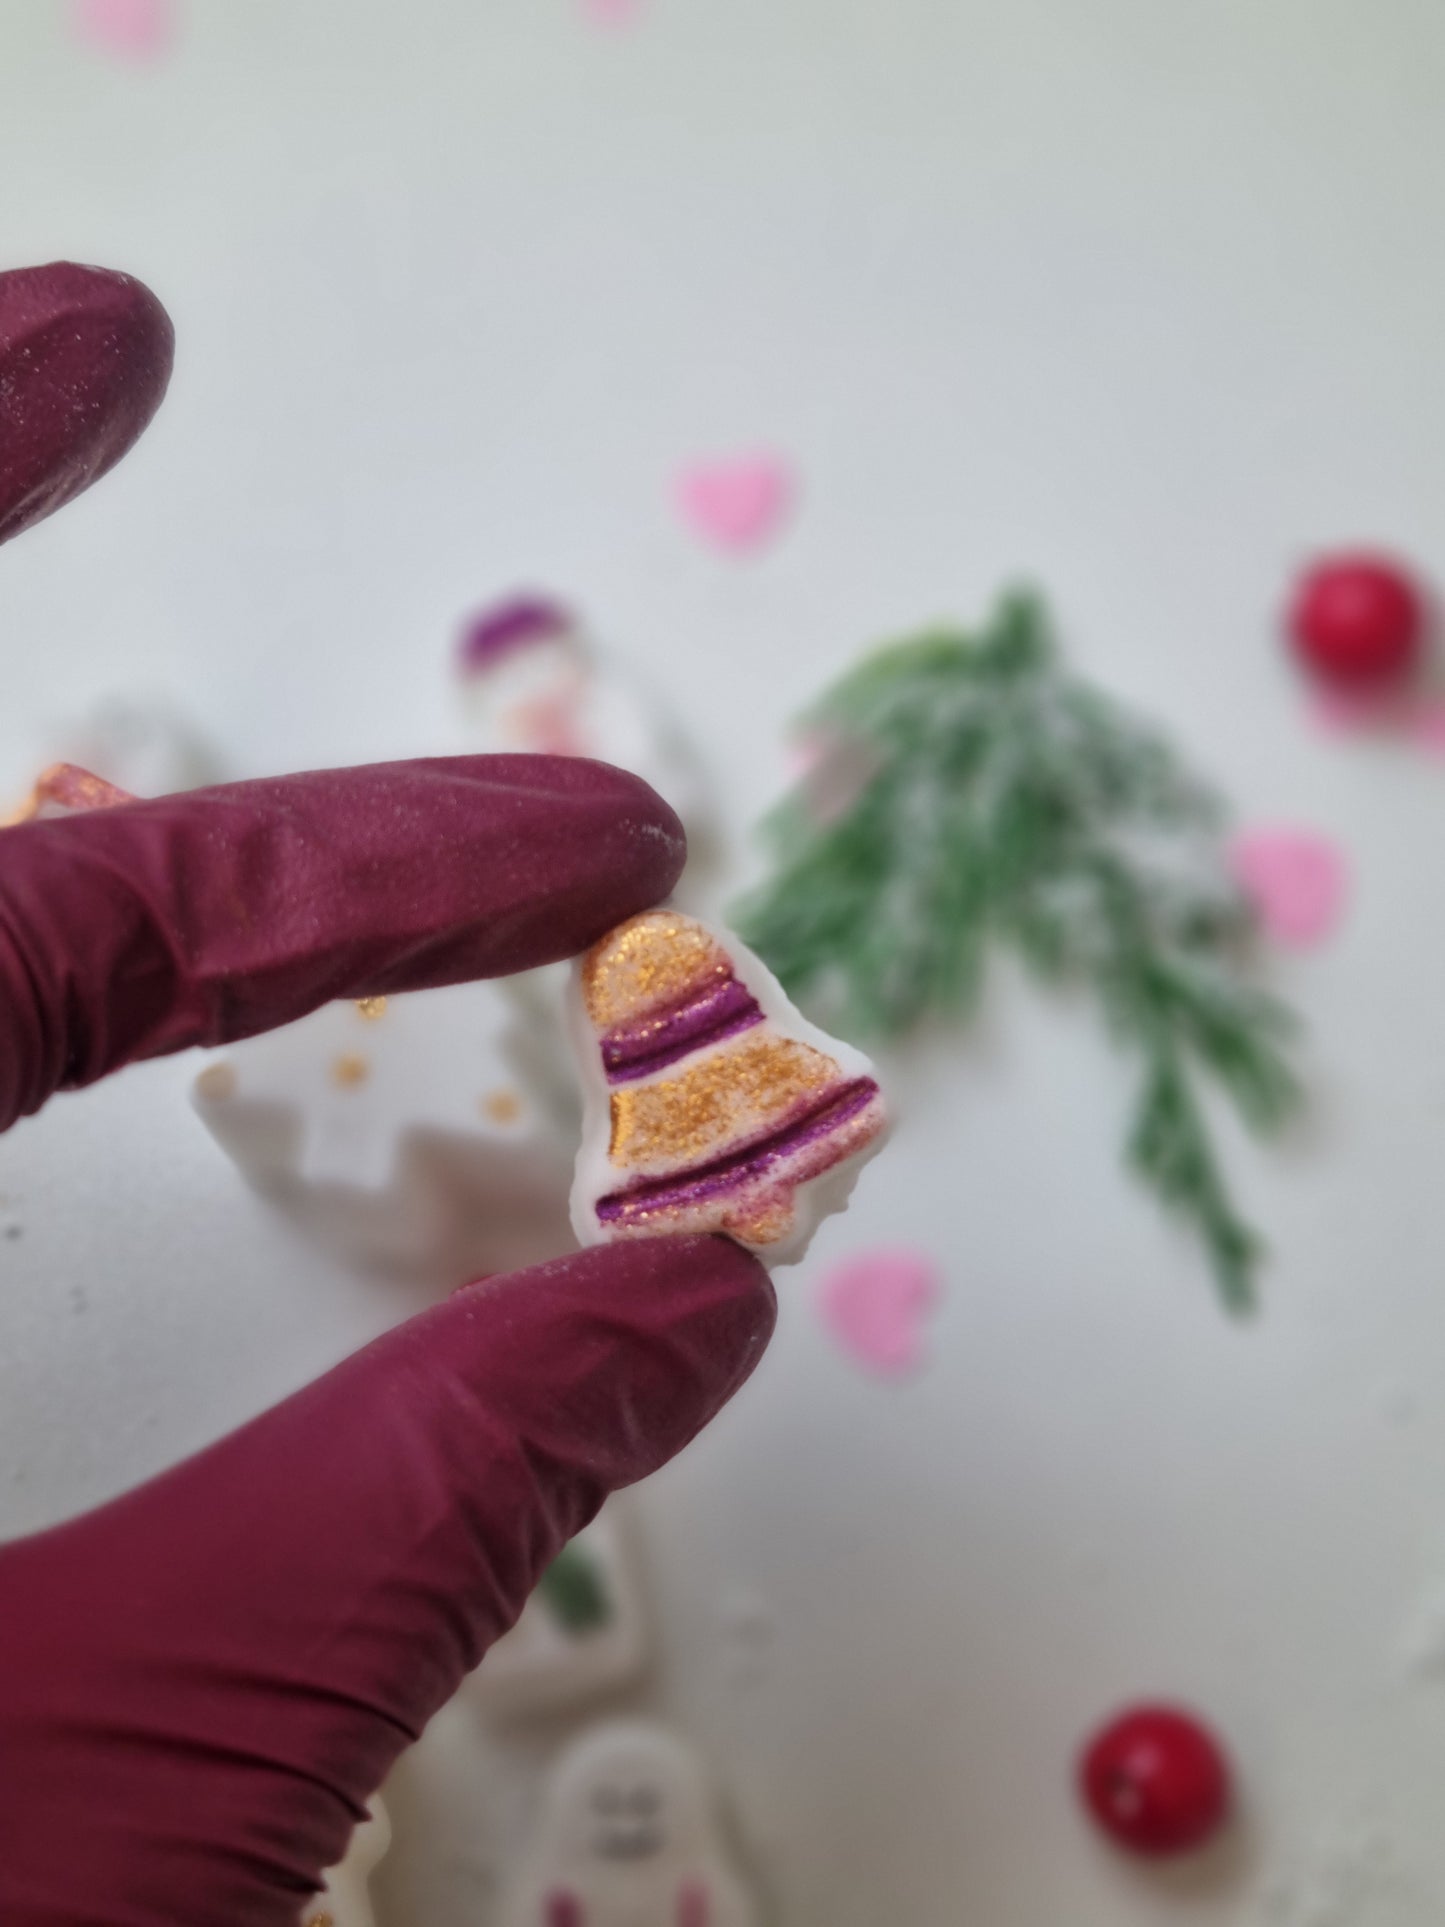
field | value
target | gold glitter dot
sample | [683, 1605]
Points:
[320, 1920]
[731, 1096]
[350, 1070]
[502, 1107]
[371, 1008]
[652, 959]
[217, 1082]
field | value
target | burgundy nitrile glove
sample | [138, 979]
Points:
[85, 356]
[203, 1682]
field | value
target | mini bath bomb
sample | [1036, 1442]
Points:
[534, 678]
[629, 1836]
[709, 1102]
[65, 790]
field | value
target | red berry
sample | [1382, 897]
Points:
[1357, 620]
[1156, 1781]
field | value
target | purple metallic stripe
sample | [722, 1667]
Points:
[721, 1010]
[738, 1167]
[497, 631]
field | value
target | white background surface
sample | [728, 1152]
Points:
[1139, 298]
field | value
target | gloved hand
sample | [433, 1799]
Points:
[85, 359]
[202, 1683]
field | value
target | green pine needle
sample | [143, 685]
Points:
[575, 1591]
[970, 793]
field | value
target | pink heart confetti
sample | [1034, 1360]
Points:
[876, 1305]
[135, 29]
[738, 503]
[1296, 880]
[613, 13]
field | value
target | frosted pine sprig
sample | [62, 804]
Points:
[973, 795]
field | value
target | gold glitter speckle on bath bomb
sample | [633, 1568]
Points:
[350, 1070]
[502, 1107]
[649, 960]
[710, 1103]
[739, 1089]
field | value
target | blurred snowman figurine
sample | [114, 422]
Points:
[532, 679]
[628, 1838]
[345, 1900]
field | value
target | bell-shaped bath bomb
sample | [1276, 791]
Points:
[709, 1102]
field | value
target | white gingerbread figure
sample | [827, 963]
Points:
[628, 1838]
[533, 679]
[345, 1899]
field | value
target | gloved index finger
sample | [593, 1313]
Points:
[203, 918]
